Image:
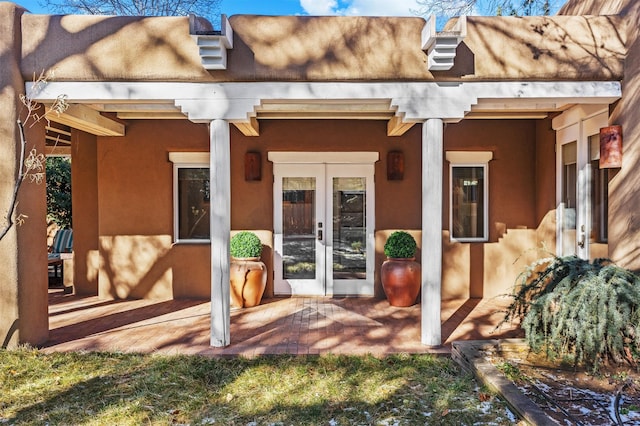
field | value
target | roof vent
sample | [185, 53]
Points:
[441, 46]
[212, 45]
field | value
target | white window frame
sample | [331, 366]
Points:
[470, 159]
[186, 160]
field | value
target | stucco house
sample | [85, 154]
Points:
[323, 135]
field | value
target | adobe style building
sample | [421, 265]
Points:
[323, 135]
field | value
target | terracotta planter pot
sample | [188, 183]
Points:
[401, 281]
[248, 278]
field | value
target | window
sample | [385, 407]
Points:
[191, 197]
[468, 195]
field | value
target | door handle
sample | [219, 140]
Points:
[319, 234]
[582, 237]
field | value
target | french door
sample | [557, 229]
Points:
[323, 229]
[582, 189]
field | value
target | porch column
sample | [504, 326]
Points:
[23, 253]
[220, 187]
[432, 158]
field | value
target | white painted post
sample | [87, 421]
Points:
[432, 159]
[220, 186]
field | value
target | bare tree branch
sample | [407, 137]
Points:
[30, 166]
[450, 8]
[205, 8]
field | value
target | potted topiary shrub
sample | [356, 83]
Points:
[400, 273]
[248, 274]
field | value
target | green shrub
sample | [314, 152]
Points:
[400, 245]
[245, 244]
[58, 171]
[573, 308]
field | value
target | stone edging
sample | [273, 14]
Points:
[469, 354]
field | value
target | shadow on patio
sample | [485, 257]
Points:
[282, 325]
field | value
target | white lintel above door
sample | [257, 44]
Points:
[307, 157]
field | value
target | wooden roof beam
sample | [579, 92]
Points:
[248, 128]
[86, 119]
[396, 126]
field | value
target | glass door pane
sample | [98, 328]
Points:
[299, 255]
[299, 227]
[350, 248]
[323, 229]
[349, 228]
[569, 198]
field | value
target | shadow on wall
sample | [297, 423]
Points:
[477, 270]
[153, 267]
[10, 334]
[81, 47]
[569, 46]
[135, 266]
[342, 47]
[624, 203]
[490, 269]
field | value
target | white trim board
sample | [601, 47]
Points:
[189, 157]
[469, 157]
[413, 101]
[323, 157]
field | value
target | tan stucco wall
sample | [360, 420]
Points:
[137, 256]
[32, 250]
[84, 181]
[469, 269]
[321, 48]
[110, 48]
[398, 203]
[23, 287]
[135, 214]
[544, 48]
[252, 202]
[545, 170]
[386, 48]
[597, 7]
[518, 223]
[624, 188]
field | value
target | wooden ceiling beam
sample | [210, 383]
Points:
[86, 119]
[57, 151]
[248, 128]
[397, 127]
[158, 115]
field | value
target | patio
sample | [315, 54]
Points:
[278, 326]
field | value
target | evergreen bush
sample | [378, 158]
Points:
[400, 245]
[573, 308]
[58, 171]
[245, 244]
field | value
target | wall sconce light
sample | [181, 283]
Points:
[252, 166]
[395, 165]
[611, 147]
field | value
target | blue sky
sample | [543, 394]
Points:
[301, 7]
[295, 7]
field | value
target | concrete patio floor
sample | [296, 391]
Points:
[278, 326]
